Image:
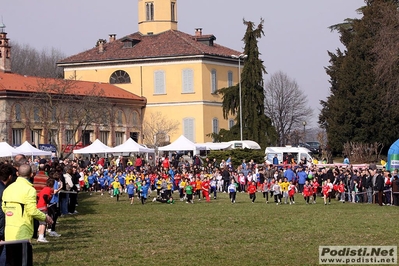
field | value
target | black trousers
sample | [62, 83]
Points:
[19, 254]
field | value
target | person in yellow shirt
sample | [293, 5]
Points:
[116, 186]
[169, 185]
[284, 189]
[19, 205]
[158, 186]
[129, 177]
[182, 186]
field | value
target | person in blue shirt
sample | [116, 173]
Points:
[130, 190]
[102, 182]
[289, 174]
[110, 179]
[121, 181]
[302, 176]
[275, 160]
[92, 180]
[346, 160]
[144, 191]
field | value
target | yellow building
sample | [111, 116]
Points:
[178, 73]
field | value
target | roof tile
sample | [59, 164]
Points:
[166, 44]
[19, 83]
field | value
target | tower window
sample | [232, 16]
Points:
[173, 11]
[149, 6]
[119, 77]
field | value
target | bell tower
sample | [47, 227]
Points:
[5, 50]
[156, 16]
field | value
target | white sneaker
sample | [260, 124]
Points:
[54, 233]
[154, 199]
[42, 240]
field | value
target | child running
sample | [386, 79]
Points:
[315, 188]
[232, 188]
[252, 191]
[189, 193]
[266, 189]
[144, 191]
[276, 193]
[291, 192]
[130, 190]
[116, 186]
[307, 191]
[325, 189]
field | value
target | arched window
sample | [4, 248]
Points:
[18, 112]
[213, 81]
[173, 11]
[119, 77]
[36, 114]
[149, 11]
[229, 79]
[119, 119]
[135, 118]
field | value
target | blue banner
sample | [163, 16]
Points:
[47, 147]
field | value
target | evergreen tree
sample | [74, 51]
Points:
[356, 110]
[256, 125]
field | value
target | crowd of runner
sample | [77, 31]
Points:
[58, 183]
[200, 179]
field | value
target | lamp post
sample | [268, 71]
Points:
[239, 57]
[304, 131]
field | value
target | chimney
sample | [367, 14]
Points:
[198, 32]
[112, 37]
[5, 52]
[100, 46]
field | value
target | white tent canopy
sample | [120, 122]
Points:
[27, 149]
[130, 146]
[96, 147]
[217, 145]
[234, 144]
[183, 144]
[6, 150]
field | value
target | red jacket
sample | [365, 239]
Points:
[251, 189]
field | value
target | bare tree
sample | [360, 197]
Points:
[27, 60]
[57, 107]
[157, 128]
[286, 105]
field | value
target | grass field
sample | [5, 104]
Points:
[106, 232]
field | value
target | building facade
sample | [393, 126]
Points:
[63, 112]
[178, 73]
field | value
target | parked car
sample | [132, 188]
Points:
[314, 147]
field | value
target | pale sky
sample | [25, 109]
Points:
[296, 32]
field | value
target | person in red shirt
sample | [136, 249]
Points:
[43, 199]
[205, 189]
[341, 191]
[325, 189]
[307, 191]
[138, 163]
[166, 164]
[252, 191]
[315, 188]
[291, 192]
